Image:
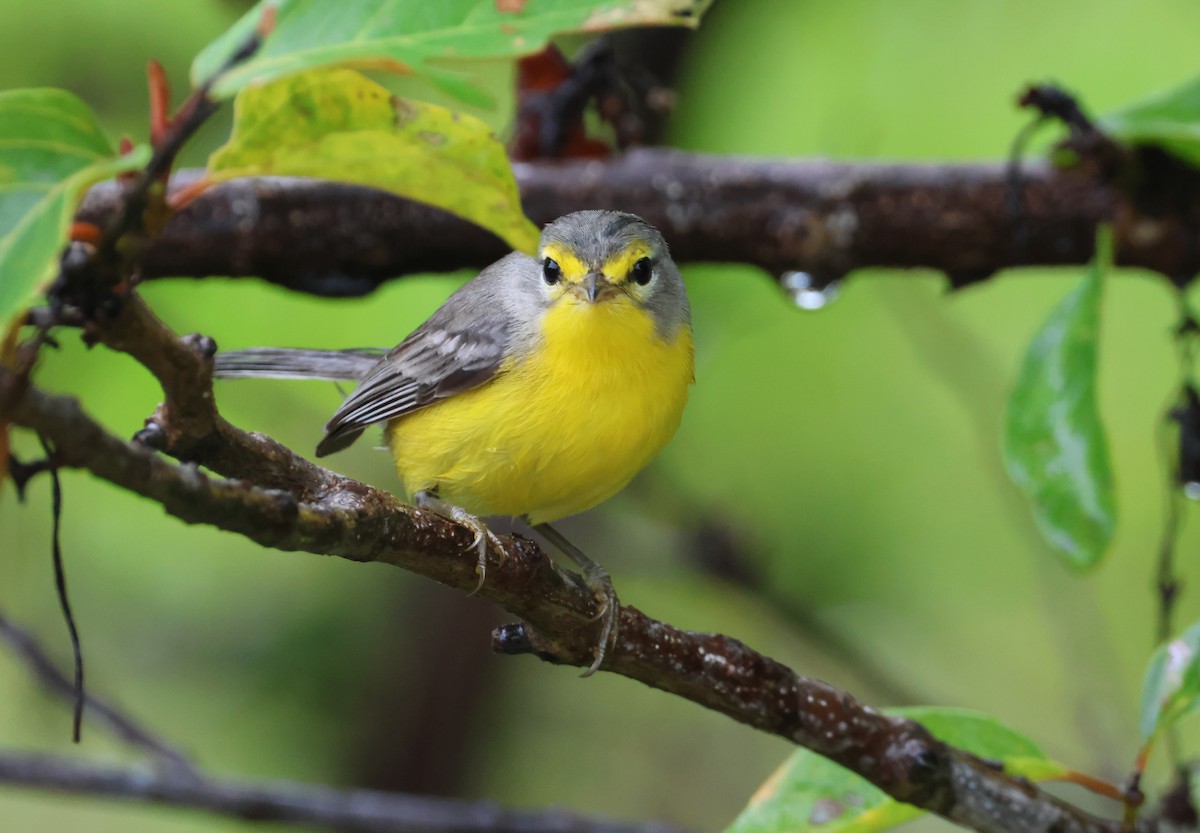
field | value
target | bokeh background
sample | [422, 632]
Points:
[835, 496]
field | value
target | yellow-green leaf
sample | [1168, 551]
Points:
[409, 36]
[339, 125]
[51, 150]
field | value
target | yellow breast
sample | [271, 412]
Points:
[560, 431]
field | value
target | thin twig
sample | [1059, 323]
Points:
[1180, 463]
[355, 811]
[192, 114]
[1166, 582]
[35, 658]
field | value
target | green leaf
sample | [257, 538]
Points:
[414, 36]
[1054, 443]
[1171, 688]
[337, 124]
[1170, 120]
[973, 731]
[51, 150]
[812, 793]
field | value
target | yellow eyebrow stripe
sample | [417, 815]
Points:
[617, 267]
[573, 269]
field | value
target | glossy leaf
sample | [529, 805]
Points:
[1054, 443]
[339, 125]
[418, 36]
[1170, 120]
[812, 793]
[51, 150]
[1171, 688]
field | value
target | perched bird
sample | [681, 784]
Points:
[537, 390]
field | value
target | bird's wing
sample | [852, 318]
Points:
[462, 345]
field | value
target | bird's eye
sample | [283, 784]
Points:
[551, 272]
[642, 271]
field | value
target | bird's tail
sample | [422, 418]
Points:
[288, 363]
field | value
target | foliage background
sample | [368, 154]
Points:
[853, 452]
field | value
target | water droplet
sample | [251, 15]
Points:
[824, 810]
[807, 292]
[1192, 490]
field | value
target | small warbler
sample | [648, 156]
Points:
[537, 390]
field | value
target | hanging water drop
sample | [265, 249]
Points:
[1191, 490]
[807, 292]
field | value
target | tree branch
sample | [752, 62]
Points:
[820, 217]
[364, 524]
[355, 811]
[34, 657]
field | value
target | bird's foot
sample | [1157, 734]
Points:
[483, 535]
[599, 582]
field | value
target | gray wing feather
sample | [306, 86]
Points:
[287, 363]
[461, 346]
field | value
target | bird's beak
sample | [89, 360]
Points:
[591, 286]
[595, 287]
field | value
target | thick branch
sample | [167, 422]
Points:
[187, 425]
[820, 217]
[718, 672]
[360, 811]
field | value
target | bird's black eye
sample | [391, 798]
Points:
[642, 271]
[551, 272]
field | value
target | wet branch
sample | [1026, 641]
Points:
[303, 507]
[824, 218]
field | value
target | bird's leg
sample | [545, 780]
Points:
[428, 499]
[601, 585]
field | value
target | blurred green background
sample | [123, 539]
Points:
[847, 457]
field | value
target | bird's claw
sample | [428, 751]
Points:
[483, 535]
[608, 607]
[607, 613]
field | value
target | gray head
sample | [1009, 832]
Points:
[600, 256]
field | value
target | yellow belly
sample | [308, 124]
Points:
[560, 431]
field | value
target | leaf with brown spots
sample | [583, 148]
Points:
[339, 125]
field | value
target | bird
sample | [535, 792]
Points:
[537, 390]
